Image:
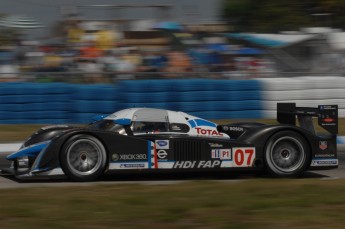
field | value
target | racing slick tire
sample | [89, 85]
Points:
[83, 158]
[286, 154]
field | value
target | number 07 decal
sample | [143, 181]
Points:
[243, 157]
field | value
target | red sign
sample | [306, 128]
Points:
[328, 120]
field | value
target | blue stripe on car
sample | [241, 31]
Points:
[35, 167]
[192, 123]
[149, 144]
[201, 122]
[31, 151]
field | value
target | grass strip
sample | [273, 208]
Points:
[259, 203]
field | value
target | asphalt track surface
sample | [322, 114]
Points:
[7, 181]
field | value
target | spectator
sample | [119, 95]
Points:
[8, 72]
[90, 51]
[153, 61]
[133, 56]
[178, 62]
[125, 68]
[92, 70]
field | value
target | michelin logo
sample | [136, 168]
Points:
[324, 162]
[132, 166]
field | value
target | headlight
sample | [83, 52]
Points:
[23, 163]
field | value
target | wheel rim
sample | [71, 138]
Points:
[287, 154]
[84, 157]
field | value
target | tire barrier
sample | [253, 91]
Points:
[59, 103]
[210, 99]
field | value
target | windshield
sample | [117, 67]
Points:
[158, 127]
[140, 127]
[150, 127]
[108, 125]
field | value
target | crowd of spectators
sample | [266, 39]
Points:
[90, 63]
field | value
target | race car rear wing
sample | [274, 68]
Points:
[327, 116]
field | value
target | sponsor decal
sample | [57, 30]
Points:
[115, 157]
[162, 154]
[132, 166]
[325, 155]
[210, 132]
[233, 128]
[328, 124]
[328, 120]
[129, 165]
[128, 157]
[162, 144]
[215, 145]
[222, 154]
[236, 128]
[196, 164]
[323, 145]
[324, 162]
[327, 107]
[243, 157]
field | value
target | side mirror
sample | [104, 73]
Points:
[123, 121]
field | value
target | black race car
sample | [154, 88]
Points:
[138, 139]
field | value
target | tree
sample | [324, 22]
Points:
[330, 13]
[239, 13]
[274, 16]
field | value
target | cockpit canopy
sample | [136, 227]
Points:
[152, 121]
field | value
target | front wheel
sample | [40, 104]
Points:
[286, 154]
[83, 158]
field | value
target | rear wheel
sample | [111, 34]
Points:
[287, 154]
[83, 158]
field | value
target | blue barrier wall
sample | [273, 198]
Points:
[52, 103]
[210, 99]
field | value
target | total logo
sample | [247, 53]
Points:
[209, 132]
